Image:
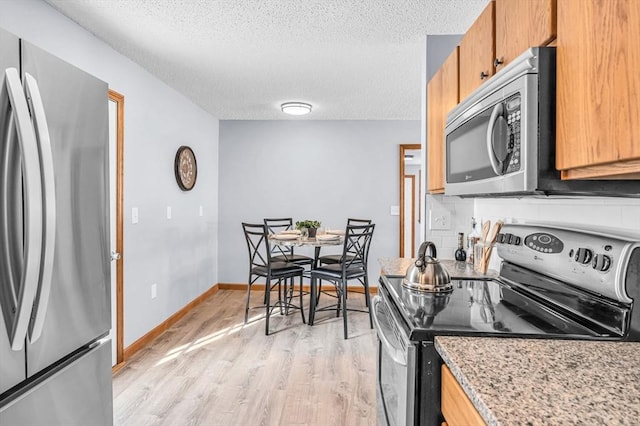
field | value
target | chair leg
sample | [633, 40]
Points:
[367, 299]
[319, 292]
[339, 297]
[312, 302]
[344, 307]
[280, 295]
[267, 291]
[246, 306]
[301, 307]
[288, 284]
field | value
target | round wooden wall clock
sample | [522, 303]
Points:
[186, 168]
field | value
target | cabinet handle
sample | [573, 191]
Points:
[483, 75]
[497, 62]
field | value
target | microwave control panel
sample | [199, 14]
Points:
[513, 116]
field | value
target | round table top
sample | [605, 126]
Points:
[309, 241]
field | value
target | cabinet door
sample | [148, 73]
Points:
[456, 406]
[598, 89]
[442, 96]
[477, 52]
[521, 24]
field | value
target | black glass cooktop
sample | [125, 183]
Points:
[491, 308]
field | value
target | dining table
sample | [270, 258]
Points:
[296, 239]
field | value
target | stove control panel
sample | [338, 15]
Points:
[595, 261]
[544, 243]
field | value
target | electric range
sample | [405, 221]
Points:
[554, 283]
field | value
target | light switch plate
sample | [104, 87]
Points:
[439, 219]
[134, 215]
[168, 212]
[394, 210]
[201, 211]
[154, 290]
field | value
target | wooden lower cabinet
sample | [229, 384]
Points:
[598, 89]
[457, 408]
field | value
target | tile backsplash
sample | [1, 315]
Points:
[461, 211]
[612, 212]
[620, 213]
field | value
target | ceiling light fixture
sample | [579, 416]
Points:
[296, 108]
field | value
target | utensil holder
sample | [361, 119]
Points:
[482, 256]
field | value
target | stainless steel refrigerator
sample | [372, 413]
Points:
[55, 354]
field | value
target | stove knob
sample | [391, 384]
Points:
[583, 255]
[601, 262]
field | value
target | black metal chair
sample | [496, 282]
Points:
[330, 259]
[262, 265]
[281, 253]
[355, 252]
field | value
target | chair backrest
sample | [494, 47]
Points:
[353, 221]
[275, 226]
[258, 244]
[278, 225]
[357, 240]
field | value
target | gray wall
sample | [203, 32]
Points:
[180, 254]
[324, 170]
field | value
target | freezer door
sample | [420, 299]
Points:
[79, 393]
[12, 369]
[76, 107]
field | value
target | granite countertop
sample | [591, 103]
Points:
[540, 382]
[397, 266]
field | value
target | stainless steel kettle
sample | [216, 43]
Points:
[427, 274]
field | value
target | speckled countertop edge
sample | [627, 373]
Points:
[514, 381]
[397, 266]
[473, 395]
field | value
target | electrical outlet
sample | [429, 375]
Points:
[439, 219]
[134, 215]
[394, 210]
[154, 290]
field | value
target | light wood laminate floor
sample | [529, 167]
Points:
[211, 369]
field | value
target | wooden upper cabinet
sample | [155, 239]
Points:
[477, 52]
[598, 89]
[521, 24]
[442, 97]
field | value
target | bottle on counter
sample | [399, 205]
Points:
[460, 254]
[472, 239]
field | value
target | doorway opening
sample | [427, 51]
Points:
[410, 197]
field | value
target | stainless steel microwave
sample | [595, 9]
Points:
[501, 139]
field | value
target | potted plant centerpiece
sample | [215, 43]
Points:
[310, 225]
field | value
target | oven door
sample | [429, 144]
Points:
[396, 368]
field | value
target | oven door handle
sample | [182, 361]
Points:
[398, 356]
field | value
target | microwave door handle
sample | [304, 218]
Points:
[49, 200]
[32, 194]
[495, 164]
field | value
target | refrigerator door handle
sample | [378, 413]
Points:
[18, 314]
[49, 206]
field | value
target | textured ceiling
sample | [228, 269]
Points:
[240, 59]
